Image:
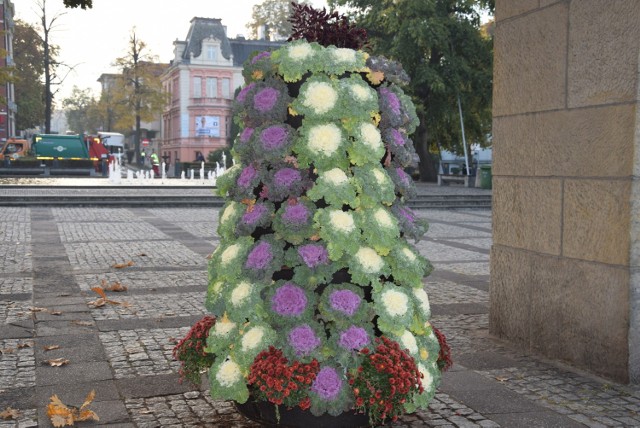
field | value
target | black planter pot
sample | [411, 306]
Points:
[264, 413]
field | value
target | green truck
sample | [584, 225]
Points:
[54, 146]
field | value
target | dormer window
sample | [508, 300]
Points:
[212, 53]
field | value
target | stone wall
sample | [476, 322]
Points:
[565, 263]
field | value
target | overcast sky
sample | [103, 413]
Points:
[92, 39]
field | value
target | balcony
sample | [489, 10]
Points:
[210, 102]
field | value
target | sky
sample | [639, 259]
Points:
[92, 39]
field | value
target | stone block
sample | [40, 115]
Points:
[509, 8]
[527, 213]
[509, 291]
[592, 142]
[530, 62]
[596, 220]
[595, 314]
[603, 52]
[514, 139]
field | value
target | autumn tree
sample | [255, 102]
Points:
[448, 59]
[28, 56]
[82, 111]
[274, 16]
[138, 90]
[84, 4]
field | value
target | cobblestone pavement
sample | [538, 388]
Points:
[50, 258]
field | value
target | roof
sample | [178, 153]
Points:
[204, 28]
[243, 48]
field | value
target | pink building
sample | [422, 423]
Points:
[201, 80]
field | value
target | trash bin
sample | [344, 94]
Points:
[485, 176]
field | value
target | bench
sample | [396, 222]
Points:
[444, 179]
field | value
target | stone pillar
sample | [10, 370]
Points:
[565, 262]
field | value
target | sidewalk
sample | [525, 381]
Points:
[51, 257]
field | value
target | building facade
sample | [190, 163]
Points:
[8, 107]
[201, 81]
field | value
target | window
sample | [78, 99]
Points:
[226, 88]
[212, 53]
[197, 87]
[212, 87]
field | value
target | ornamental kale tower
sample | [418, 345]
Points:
[314, 263]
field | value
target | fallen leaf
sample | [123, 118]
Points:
[9, 413]
[123, 265]
[103, 300]
[502, 378]
[62, 415]
[142, 255]
[82, 323]
[116, 286]
[56, 362]
[7, 350]
[56, 312]
[25, 345]
[36, 309]
[51, 347]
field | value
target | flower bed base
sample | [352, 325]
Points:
[264, 413]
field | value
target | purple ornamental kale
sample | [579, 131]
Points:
[253, 216]
[246, 176]
[303, 340]
[246, 134]
[289, 300]
[297, 214]
[260, 256]
[397, 137]
[345, 301]
[260, 56]
[273, 137]
[327, 383]
[403, 176]
[353, 338]
[265, 99]
[287, 176]
[313, 255]
[391, 99]
[242, 95]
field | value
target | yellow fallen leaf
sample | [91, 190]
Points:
[116, 286]
[123, 265]
[9, 413]
[25, 345]
[57, 362]
[51, 347]
[7, 350]
[62, 415]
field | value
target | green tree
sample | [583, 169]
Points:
[84, 4]
[447, 57]
[274, 16]
[29, 59]
[138, 91]
[83, 115]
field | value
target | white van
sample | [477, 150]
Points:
[113, 142]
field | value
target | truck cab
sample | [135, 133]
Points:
[14, 148]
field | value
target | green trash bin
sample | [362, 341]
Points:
[485, 176]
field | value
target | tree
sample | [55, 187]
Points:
[29, 58]
[82, 110]
[53, 77]
[138, 90]
[84, 4]
[274, 16]
[442, 49]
